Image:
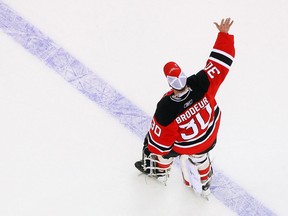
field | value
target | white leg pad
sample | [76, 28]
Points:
[190, 174]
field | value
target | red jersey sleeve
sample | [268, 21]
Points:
[220, 61]
[161, 138]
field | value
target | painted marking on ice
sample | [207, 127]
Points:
[91, 85]
[73, 71]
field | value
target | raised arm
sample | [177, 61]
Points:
[221, 57]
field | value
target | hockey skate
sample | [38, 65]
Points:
[206, 190]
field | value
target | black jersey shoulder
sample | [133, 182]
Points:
[199, 81]
[168, 108]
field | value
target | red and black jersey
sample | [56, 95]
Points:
[189, 124]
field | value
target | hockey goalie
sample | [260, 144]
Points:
[187, 118]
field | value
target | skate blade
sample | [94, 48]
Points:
[154, 179]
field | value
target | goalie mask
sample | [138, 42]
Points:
[175, 77]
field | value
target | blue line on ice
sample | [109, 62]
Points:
[91, 85]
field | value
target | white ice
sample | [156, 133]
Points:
[61, 154]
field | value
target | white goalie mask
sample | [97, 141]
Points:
[175, 77]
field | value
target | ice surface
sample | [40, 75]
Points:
[57, 155]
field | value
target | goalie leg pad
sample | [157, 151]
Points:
[190, 174]
[158, 167]
[203, 164]
[154, 165]
[197, 172]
